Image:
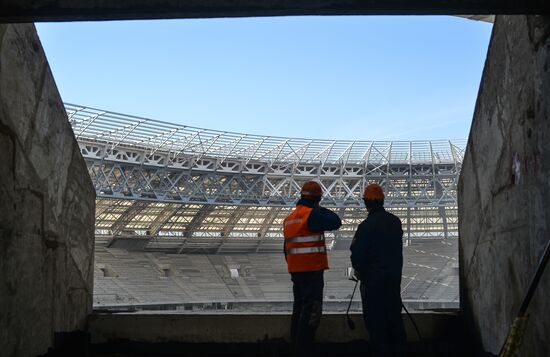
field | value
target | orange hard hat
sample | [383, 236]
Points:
[373, 192]
[312, 188]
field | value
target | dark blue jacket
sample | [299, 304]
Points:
[377, 247]
[320, 218]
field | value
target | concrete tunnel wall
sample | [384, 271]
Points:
[504, 189]
[47, 204]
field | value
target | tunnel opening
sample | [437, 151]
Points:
[157, 200]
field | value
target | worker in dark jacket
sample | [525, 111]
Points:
[306, 257]
[377, 259]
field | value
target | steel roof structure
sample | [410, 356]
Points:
[183, 188]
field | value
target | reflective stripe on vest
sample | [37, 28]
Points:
[304, 239]
[306, 250]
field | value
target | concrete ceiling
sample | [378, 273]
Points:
[484, 18]
[92, 10]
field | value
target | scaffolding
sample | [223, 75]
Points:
[186, 188]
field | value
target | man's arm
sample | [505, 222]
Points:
[323, 219]
[359, 247]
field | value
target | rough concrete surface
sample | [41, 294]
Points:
[47, 204]
[504, 189]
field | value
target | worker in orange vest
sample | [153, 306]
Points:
[306, 257]
[377, 258]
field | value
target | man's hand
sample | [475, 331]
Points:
[356, 275]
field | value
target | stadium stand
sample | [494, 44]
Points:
[156, 280]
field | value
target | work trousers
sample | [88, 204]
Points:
[307, 310]
[381, 298]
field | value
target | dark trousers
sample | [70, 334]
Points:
[381, 297]
[307, 310]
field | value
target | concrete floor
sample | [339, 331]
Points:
[275, 349]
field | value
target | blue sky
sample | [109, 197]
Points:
[360, 77]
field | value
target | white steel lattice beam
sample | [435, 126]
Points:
[170, 169]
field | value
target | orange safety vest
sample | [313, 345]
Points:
[305, 250]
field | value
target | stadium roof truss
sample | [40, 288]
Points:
[185, 188]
